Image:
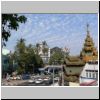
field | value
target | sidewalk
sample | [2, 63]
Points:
[13, 82]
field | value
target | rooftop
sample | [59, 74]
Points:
[74, 60]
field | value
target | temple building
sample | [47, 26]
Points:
[74, 65]
[89, 52]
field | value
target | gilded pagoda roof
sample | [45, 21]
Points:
[88, 48]
[73, 60]
[89, 43]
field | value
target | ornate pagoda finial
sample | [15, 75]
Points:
[87, 29]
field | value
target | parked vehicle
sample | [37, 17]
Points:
[25, 76]
[38, 81]
[31, 81]
[15, 78]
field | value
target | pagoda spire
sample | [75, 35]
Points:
[88, 29]
[88, 51]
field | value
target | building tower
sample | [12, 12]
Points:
[89, 52]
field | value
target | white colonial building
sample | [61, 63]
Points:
[89, 75]
[44, 52]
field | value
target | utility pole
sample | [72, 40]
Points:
[62, 77]
[53, 75]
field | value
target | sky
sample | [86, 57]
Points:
[62, 30]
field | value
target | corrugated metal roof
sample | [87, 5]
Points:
[91, 66]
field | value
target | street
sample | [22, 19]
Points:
[40, 80]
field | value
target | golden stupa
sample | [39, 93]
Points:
[89, 52]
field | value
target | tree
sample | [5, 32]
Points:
[20, 53]
[26, 57]
[20, 47]
[36, 48]
[10, 22]
[56, 58]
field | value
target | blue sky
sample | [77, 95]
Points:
[57, 30]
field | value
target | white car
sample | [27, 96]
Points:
[18, 78]
[11, 78]
[37, 81]
[14, 78]
[46, 78]
[31, 81]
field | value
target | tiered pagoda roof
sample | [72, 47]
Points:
[74, 61]
[89, 51]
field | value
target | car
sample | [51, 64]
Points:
[25, 76]
[14, 78]
[31, 81]
[38, 81]
[11, 78]
[49, 81]
[18, 77]
[46, 78]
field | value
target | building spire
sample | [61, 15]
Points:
[89, 51]
[87, 29]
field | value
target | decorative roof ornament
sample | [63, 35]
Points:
[88, 29]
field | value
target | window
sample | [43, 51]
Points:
[89, 74]
[86, 74]
[97, 75]
[93, 74]
[5, 61]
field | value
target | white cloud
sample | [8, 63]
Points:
[57, 29]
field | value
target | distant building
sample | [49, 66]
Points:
[7, 67]
[89, 74]
[64, 51]
[44, 51]
[55, 49]
[89, 52]
[5, 60]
